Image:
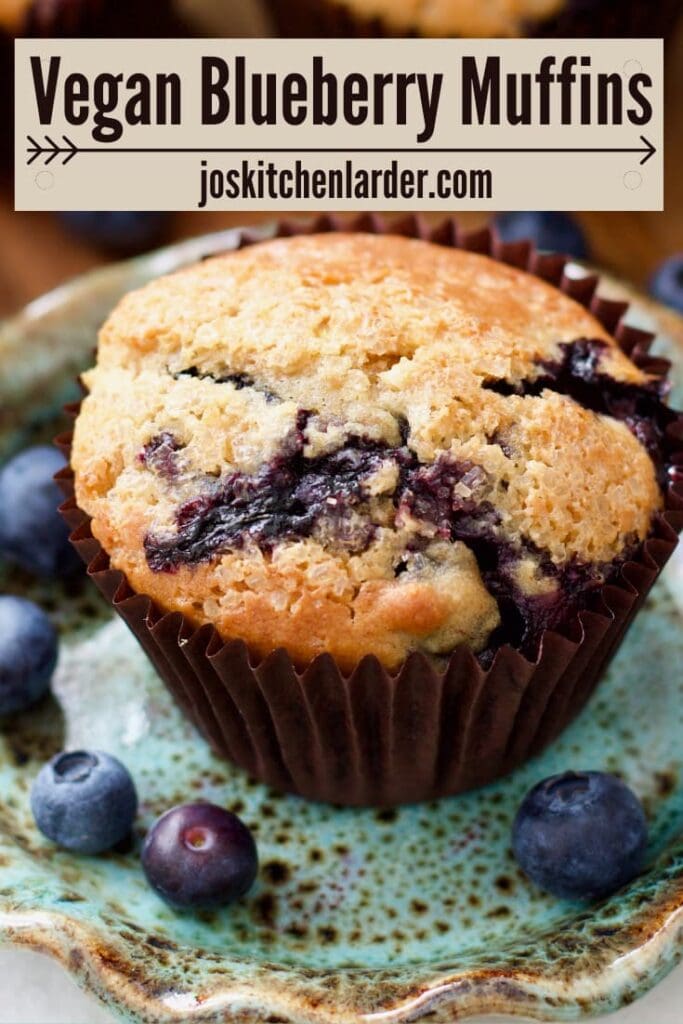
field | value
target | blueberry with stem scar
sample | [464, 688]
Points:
[199, 856]
[84, 800]
[580, 835]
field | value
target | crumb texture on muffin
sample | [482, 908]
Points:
[471, 18]
[365, 444]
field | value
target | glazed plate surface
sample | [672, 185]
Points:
[357, 915]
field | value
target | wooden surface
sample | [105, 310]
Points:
[36, 254]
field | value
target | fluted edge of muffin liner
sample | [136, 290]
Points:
[373, 737]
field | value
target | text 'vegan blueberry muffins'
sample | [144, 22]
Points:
[472, 18]
[410, 460]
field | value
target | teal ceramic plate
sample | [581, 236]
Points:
[357, 915]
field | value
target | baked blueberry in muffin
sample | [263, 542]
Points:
[362, 444]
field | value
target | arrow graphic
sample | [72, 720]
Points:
[649, 150]
[51, 150]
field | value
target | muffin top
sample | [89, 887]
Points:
[471, 18]
[365, 444]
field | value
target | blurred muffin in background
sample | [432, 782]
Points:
[226, 19]
[472, 18]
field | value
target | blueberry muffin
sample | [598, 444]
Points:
[361, 444]
[472, 18]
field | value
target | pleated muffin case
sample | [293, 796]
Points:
[374, 737]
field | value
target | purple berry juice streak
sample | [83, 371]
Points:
[286, 499]
[239, 381]
[578, 375]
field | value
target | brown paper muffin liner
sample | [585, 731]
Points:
[578, 19]
[373, 737]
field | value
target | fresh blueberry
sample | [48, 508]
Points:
[33, 535]
[549, 231]
[84, 800]
[199, 856]
[118, 232]
[28, 654]
[666, 284]
[580, 835]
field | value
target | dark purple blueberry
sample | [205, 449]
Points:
[199, 856]
[666, 284]
[240, 381]
[160, 455]
[430, 493]
[121, 233]
[33, 535]
[28, 654]
[84, 800]
[549, 231]
[581, 835]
